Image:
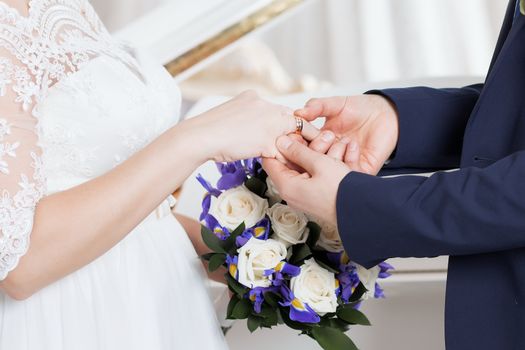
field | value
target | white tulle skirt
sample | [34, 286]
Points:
[148, 292]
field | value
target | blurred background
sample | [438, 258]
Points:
[349, 42]
[329, 47]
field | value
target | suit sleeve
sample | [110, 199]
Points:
[464, 212]
[432, 123]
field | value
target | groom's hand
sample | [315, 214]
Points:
[366, 127]
[314, 191]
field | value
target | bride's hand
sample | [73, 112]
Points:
[245, 127]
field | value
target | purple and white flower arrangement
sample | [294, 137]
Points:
[282, 267]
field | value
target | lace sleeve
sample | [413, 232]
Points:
[21, 183]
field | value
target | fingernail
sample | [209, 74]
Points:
[328, 136]
[353, 146]
[345, 140]
[284, 142]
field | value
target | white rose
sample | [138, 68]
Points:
[257, 256]
[315, 286]
[238, 205]
[289, 225]
[329, 239]
[272, 192]
[368, 277]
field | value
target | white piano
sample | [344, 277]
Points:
[188, 36]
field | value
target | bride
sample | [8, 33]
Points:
[90, 150]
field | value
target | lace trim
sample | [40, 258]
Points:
[55, 40]
[16, 219]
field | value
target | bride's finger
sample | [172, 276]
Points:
[352, 154]
[337, 151]
[310, 132]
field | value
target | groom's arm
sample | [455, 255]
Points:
[431, 126]
[464, 212]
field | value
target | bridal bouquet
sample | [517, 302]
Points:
[282, 266]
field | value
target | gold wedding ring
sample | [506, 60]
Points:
[299, 125]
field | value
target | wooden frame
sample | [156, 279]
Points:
[185, 36]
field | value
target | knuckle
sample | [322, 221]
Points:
[313, 101]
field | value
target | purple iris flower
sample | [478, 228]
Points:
[348, 281]
[281, 271]
[206, 203]
[284, 268]
[213, 225]
[299, 311]
[210, 191]
[385, 270]
[260, 231]
[243, 238]
[338, 259]
[232, 262]
[253, 166]
[233, 175]
[256, 295]
[379, 293]
[208, 187]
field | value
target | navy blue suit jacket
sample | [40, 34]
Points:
[475, 214]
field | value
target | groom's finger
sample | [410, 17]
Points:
[322, 107]
[323, 142]
[278, 172]
[299, 154]
[337, 151]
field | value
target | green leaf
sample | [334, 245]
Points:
[326, 266]
[207, 257]
[332, 339]
[229, 244]
[213, 242]
[233, 301]
[339, 324]
[253, 323]
[522, 7]
[235, 286]
[256, 186]
[216, 261]
[352, 316]
[270, 322]
[314, 234]
[272, 299]
[300, 253]
[358, 293]
[238, 231]
[269, 315]
[242, 309]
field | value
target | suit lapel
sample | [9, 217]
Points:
[505, 29]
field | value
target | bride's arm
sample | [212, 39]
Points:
[74, 227]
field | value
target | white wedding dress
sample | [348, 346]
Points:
[75, 103]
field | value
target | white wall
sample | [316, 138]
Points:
[356, 41]
[359, 41]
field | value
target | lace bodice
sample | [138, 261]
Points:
[74, 103]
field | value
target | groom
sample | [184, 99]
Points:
[475, 214]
